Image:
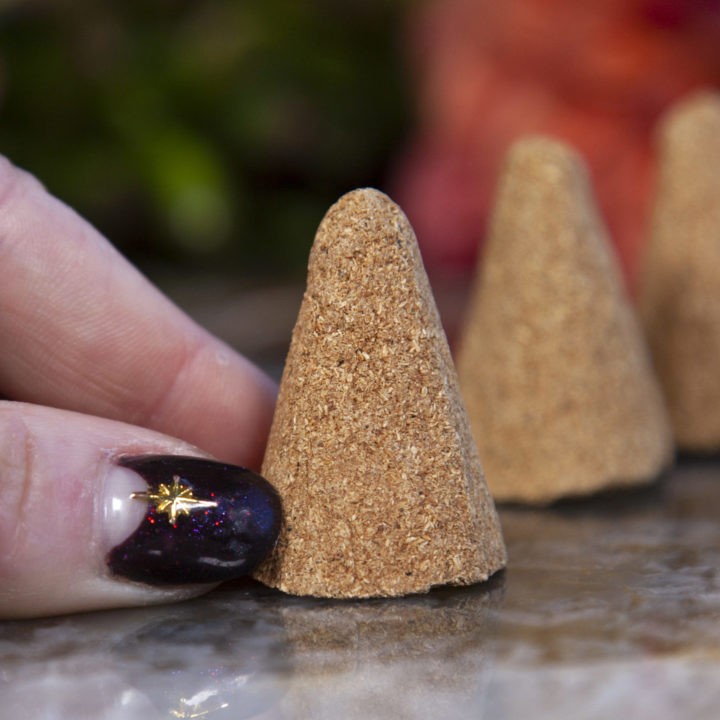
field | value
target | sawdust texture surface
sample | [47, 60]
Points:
[370, 447]
[554, 370]
[680, 289]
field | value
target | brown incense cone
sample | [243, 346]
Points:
[370, 448]
[680, 294]
[554, 371]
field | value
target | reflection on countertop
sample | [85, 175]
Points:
[609, 608]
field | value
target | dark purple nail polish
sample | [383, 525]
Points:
[205, 522]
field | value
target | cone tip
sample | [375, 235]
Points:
[540, 159]
[368, 196]
[542, 150]
[696, 115]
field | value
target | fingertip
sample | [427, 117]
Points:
[53, 466]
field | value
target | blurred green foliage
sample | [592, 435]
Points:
[211, 132]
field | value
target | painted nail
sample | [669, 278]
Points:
[173, 520]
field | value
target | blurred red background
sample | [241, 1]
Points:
[596, 74]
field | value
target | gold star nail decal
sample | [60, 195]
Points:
[174, 500]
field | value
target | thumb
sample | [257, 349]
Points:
[98, 514]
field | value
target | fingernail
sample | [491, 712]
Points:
[173, 520]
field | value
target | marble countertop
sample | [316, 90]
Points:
[610, 608]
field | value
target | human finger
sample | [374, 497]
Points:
[84, 330]
[97, 514]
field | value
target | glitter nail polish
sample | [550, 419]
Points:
[204, 522]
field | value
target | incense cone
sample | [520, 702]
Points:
[554, 371]
[680, 291]
[370, 448]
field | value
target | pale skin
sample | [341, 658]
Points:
[95, 363]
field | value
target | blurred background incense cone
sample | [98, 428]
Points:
[555, 375]
[370, 447]
[680, 292]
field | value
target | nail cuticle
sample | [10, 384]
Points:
[202, 521]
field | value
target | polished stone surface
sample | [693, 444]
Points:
[610, 608]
